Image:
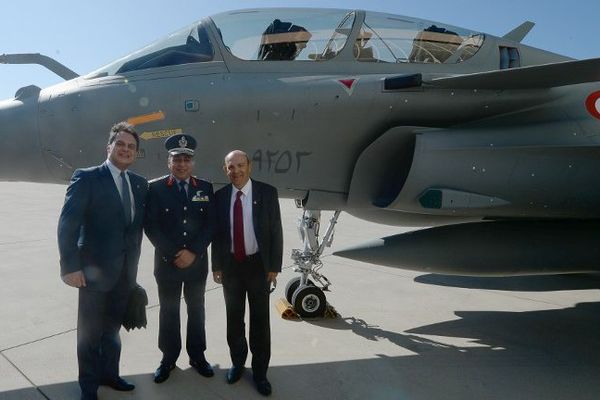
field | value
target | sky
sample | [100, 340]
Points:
[87, 35]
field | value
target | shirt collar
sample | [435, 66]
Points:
[246, 189]
[187, 181]
[113, 168]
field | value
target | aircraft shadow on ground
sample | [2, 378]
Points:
[543, 354]
[534, 283]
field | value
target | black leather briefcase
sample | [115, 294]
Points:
[135, 315]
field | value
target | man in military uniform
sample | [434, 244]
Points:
[180, 222]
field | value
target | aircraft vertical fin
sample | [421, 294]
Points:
[519, 32]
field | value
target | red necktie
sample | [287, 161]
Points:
[239, 248]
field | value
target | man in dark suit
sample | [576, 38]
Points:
[246, 258]
[180, 222]
[99, 240]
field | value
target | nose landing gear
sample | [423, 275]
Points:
[307, 298]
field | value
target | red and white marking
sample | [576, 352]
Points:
[592, 103]
[348, 84]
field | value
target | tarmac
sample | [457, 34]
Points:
[400, 334]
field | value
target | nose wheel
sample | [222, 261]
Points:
[304, 294]
[309, 301]
[292, 286]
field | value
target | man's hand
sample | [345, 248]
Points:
[75, 279]
[272, 281]
[184, 258]
[218, 277]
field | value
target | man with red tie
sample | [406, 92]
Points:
[246, 258]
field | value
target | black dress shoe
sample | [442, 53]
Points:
[203, 368]
[263, 387]
[119, 384]
[234, 374]
[162, 372]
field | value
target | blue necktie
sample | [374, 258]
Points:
[182, 191]
[126, 198]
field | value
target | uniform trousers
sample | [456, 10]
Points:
[169, 335]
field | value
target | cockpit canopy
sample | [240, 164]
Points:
[393, 38]
[285, 34]
[320, 34]
[188, 45]
[306, 35]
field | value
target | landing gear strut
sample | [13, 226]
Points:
[301, 292]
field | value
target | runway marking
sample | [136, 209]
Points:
[25, 241]
[33, 385]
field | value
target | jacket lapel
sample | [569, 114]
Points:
[226, 212]
[111, 189]
[256, 202]
[173, 187]
[138, 195]
[227, 205]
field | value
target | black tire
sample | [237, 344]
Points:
[291, 287]
[309, 301]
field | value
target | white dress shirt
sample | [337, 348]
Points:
[250, 242]
[116, 174]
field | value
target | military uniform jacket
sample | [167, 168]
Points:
[173, 224]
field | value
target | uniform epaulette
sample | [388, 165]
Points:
[157, 179]
[202, 179]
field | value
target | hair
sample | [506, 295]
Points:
[236, 151]
[126, 127]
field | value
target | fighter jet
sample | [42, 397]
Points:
[490, 144]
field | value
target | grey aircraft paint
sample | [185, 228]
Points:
[392, 119]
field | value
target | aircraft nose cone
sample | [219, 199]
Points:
[20, 153]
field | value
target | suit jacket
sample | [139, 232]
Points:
[266, 219]
[93, 235]
[173, 224]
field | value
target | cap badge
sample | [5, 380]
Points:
[183, 142]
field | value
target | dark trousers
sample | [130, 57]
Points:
[99, 320]
[169, 334]
[249, 279]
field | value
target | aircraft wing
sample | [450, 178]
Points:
[532, 77]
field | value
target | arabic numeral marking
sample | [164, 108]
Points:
[279, 161]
